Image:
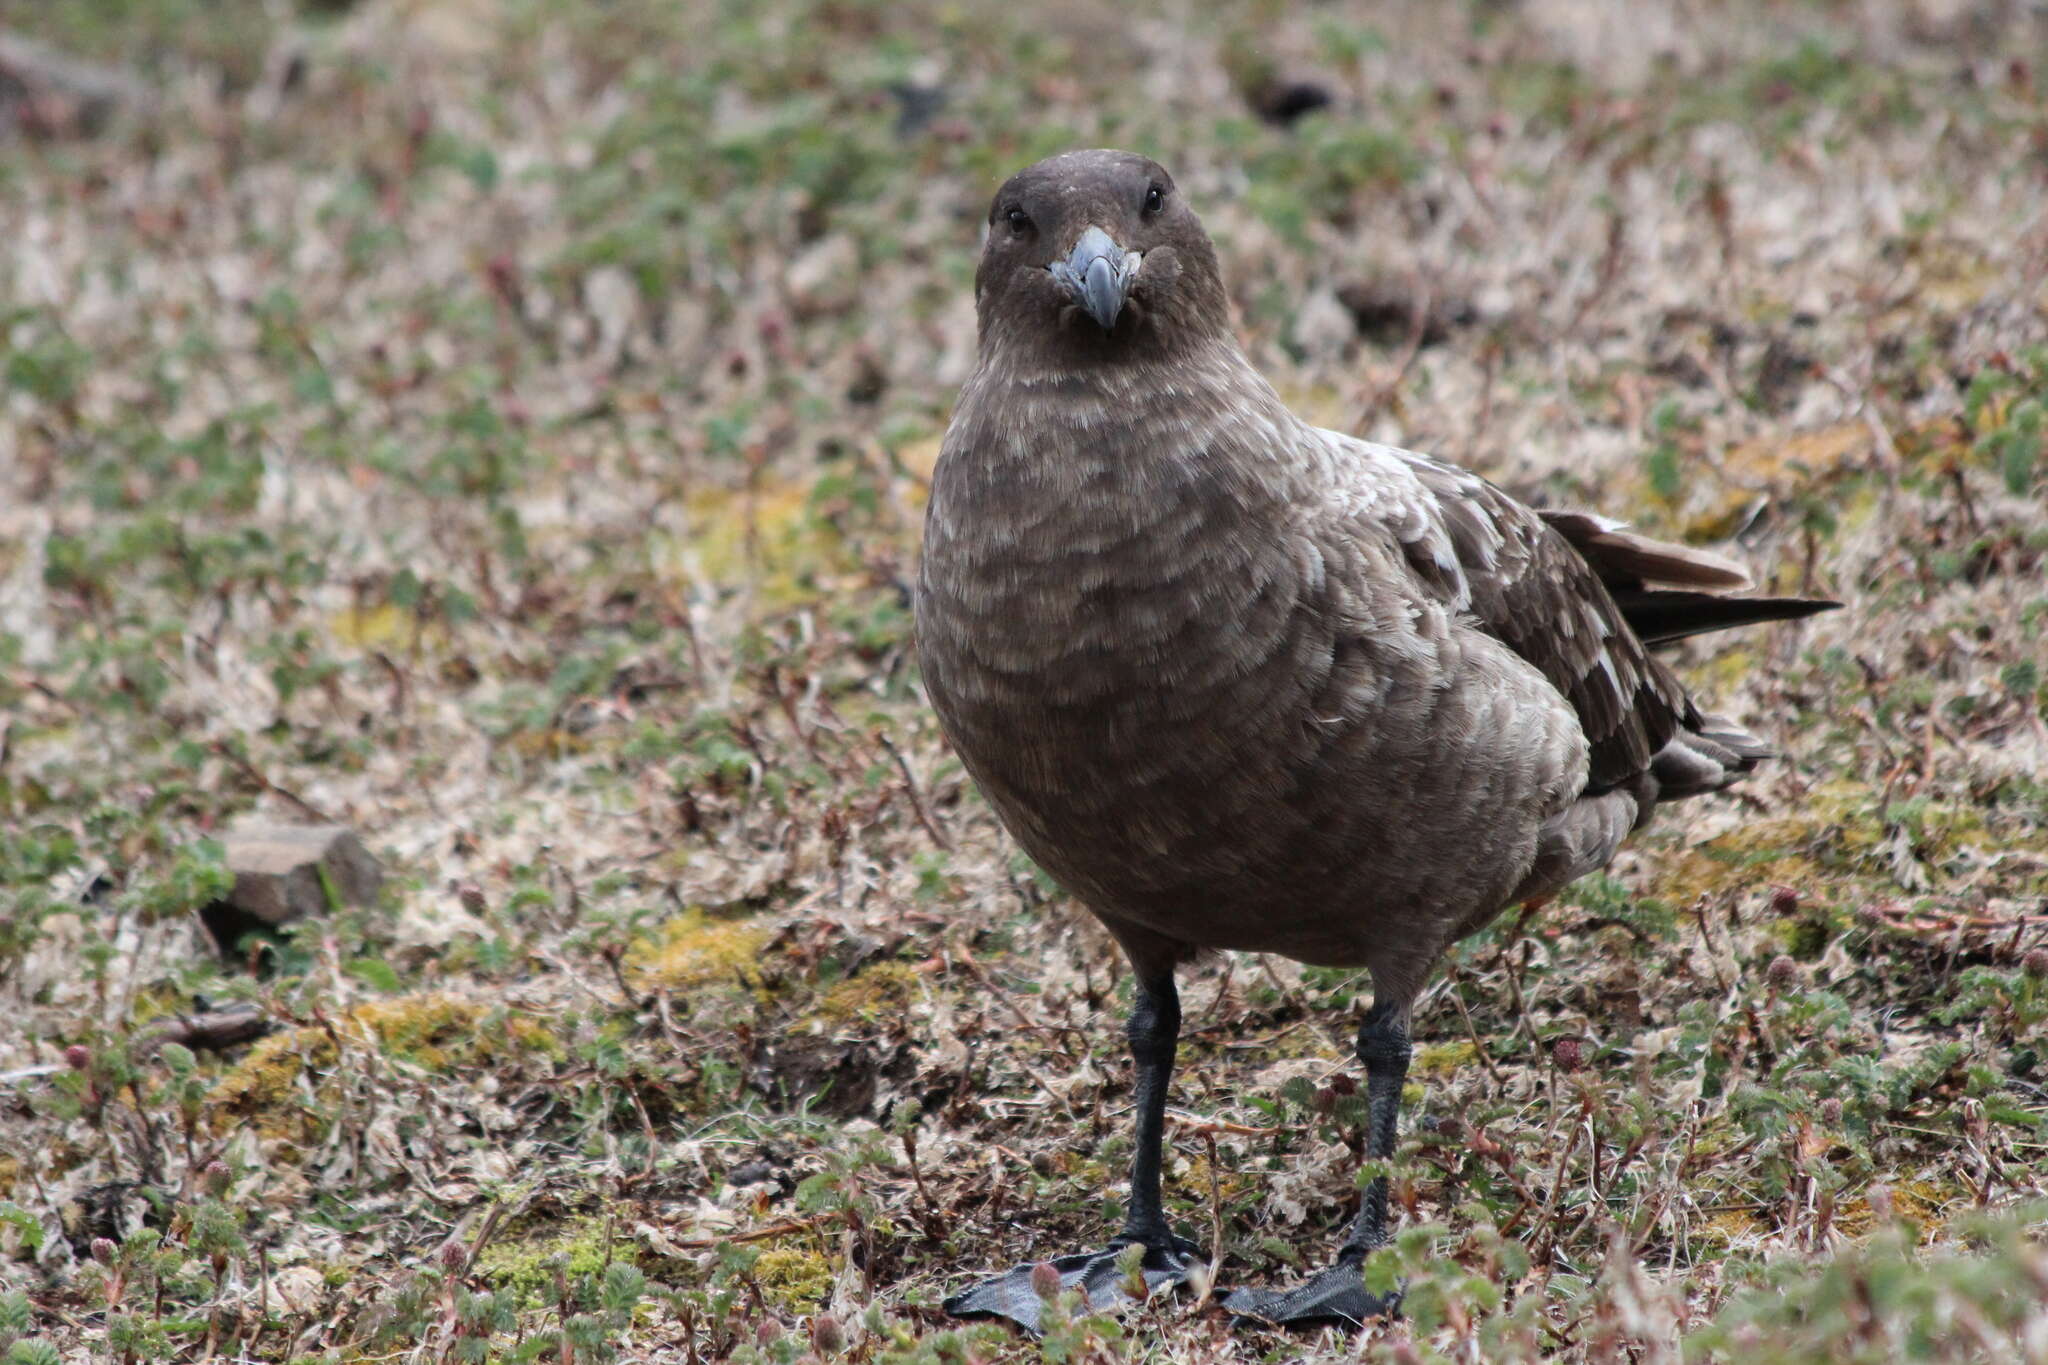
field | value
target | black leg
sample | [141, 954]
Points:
[1154, 1031]
[1384, 1048]
[1338, 1294]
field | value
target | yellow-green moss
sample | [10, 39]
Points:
[1796, 850]
[1760, 852]
[1804, 936]
[1718, 504]
[549, 743]
[886, 988]
[695, 950]
[433, 1031]
[1725, 672]
[793, 1280]
[1842, 832]
[1229, 1184]
[526, 1266]
[771, 537]
[1085, 1170]
[1919, 1200]
[159, 1001]
[380, 627]
[268, 1076]
[1440, 1058]
[1726, 1228]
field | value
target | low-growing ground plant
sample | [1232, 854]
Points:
[503, 427]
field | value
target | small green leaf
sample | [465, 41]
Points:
[375, 973]
[30, 1227]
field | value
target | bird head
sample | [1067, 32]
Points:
[1096, 250]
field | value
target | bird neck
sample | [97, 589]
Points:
[1143, 422]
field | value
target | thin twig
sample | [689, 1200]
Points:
[924, 816]
[1215, 1222]
[1478, 1047]
[249, 770]
[209, 1030]
[772, 1231]
[1059, 1032]
[1418, 327]
[1208, 1128]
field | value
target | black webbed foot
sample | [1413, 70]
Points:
[1336, 1297]
[1100, 1275]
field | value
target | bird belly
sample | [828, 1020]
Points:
[1237, 770]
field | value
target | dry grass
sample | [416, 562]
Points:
[503, 426]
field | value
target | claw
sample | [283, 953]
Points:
[1335, 1297]
[1098, 1275]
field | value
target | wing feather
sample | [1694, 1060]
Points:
[1516, 577]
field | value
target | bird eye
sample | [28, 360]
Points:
[1020, 221]
[1155, 199]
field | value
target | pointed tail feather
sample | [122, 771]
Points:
[1689, 602]
[1662, 616]
[1624, 559]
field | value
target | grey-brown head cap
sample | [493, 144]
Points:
[1094, 252]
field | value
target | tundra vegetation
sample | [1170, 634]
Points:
[502, 427]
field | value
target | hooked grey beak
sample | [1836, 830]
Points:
[1097, 274]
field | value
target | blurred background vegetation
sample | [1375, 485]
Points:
[501, 427]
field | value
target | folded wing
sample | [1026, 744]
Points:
[1573, 595]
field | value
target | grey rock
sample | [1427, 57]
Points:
[278, 870]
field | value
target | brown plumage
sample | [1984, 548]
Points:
[1239, 682]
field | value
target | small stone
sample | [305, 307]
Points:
[51, 94]
[115, 1210]
[302, 1287]
[1322, 326]
[612, 299]
[1783, 973]
[824, 277]
[917, 104]
[1384, 312]
[1283, 102]
[277, 870]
